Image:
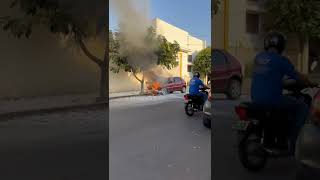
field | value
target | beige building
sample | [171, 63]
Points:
[43, 65]
[189, 45]
[239, 28]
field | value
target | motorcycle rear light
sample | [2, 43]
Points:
[185, 97]
[242, 113]
[315, 109]
[210, 98]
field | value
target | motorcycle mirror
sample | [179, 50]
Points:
[313, 65]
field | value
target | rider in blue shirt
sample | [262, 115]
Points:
[270, 68]
[195, 85]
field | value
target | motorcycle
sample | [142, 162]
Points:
[194, 103]
[263, 131]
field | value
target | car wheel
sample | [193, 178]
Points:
[164, 91]
[207, 122]
[251, 154]
[183, 90]
[234, 89]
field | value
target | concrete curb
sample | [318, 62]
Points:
[23, 113]
[7, 115]
[119, 97]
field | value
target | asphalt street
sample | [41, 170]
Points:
[147, 141]
[59, 146]
[158, 142]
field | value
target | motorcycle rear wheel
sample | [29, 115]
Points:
[189, 109]
[253, 161]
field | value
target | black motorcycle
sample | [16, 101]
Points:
[194, 103]
[263, 131]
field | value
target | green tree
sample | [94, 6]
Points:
[76, 21]
[202, 62]
[297, 17]
[166, 54]
[215, 6]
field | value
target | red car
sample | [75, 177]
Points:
[226, 74]
[174, 84]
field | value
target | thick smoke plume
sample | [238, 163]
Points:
[134, 21]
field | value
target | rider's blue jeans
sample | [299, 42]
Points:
[298, 113]
[203, 96]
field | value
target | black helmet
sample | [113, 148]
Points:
[275, 40]
[196, 74]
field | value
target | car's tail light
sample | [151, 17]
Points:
[241, 112]
[316, 106]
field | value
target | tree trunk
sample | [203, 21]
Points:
[106, 64]
[103, 84]
[104, 76]
[142, 84]
[102, 64]
[305, 56]
[141, 81]
[303, 63]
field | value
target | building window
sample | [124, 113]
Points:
[253, 22]
[189, 68]
[189, 58]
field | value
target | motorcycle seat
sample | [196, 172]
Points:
[263, 112]
[193, 96]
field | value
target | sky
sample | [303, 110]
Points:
[193, 16]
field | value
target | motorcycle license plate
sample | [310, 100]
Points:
[187, 101]
[240, 125]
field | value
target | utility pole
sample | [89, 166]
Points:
[226, 25]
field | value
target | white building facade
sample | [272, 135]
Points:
[189, 46]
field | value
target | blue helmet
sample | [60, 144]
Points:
[196, 74]
[275, 40]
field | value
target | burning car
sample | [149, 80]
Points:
[169, 85]
[154, 87]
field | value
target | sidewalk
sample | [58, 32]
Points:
[10, 107]
[123, 94]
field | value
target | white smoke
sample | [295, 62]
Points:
[133, 21]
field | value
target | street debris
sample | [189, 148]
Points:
[156, 148]
[170, 165]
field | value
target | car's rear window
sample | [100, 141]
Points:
[219, 59]
[177, 80]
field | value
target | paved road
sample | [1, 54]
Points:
[152, 141]
[225, 161]
[158, 142]
[60, 146]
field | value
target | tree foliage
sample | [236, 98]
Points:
[165, 52]
[299, 17]
[76, 20]
[215, 6]
[202, 62]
